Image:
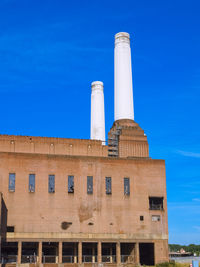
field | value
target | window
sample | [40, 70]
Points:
[90, 184]
[32, 183]
[108, 185]
[51, 183]
[10, 229]
[141, 218]
[70, 184]
[156, 203]
[155, 218]
[126, 186]
[11, 182]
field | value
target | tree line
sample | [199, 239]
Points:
[190, 248]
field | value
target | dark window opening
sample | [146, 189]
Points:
[146, 252]
[69, 252]
[90, 184]
[29, 252]
[108, 253]
[141, 218]
[49, 252]
[51, 183]
[9, 253]
[156, 203]
[12, 182]
[70, 184]
[126, 186]
[32, 183]
[10, 229]
[127, 253]
[108, 185]
[89, 252]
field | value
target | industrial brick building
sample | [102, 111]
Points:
[73, 201]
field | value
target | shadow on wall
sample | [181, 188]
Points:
[3, 219]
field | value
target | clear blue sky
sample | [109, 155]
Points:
[51, 51]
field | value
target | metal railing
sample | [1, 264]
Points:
[69, 259]
[28, 258]
[156, 206]
[9, 259]
[49, 259]
[89, 258]
[127, 258]
[108, 258]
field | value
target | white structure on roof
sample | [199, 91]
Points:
[97, 128]
[123, 78]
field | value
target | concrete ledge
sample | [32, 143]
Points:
[84, 236]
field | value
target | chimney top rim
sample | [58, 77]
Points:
[122, 34]
[97, 83]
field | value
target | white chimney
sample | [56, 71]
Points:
[97, 128]
[123, 78]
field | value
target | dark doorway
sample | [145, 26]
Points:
[146, 253]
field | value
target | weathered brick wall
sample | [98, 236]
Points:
[43, 212]
[47, 145]
[161, 251]
[132, 141]
[38, 216]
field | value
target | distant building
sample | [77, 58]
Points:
[182, 250]
[181, 253]
[81, 201]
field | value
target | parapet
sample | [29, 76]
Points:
[52, 145]
[126, 139]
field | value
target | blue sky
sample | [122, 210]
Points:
[51, 51]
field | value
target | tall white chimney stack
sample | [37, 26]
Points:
[123, 78]
[97, 127]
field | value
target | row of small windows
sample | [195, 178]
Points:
[51, 184]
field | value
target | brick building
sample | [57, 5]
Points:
[80, 201]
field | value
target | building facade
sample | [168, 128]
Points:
[71, 201]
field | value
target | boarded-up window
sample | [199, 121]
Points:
[108, 185]
[90, 184]
[155, 218]
[126, 186]
[12, 182]
[51, 183]
[70, 184]
[32, 183]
